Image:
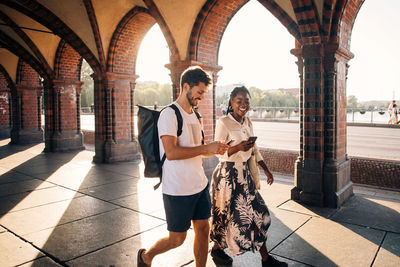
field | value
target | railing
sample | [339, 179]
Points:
[274, 113]
[372, 115]
[375, 115]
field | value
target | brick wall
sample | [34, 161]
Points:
[4, 103]
[365, 171]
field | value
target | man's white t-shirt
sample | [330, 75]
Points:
[182, 177]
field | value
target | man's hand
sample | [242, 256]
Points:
[217, 147]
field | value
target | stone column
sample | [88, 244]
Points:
[298, 175]
[336, 170]
[26, 127]
[64, 133]
[114, 112]
[323, 170]
[5, 116]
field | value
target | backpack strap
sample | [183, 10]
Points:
[198, 115]
[178, 133]
[178, 118]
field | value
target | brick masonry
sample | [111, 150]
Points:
[365, 171]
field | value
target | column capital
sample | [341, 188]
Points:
[62, 86]
[339, 52]
[181, 65]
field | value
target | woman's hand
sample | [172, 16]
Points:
[270, 177]
[245, 145]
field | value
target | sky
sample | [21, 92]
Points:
[261, 57]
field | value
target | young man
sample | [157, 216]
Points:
[184, 184]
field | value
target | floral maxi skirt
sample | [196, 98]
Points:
[237, 207]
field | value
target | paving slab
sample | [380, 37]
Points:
[15, 251]
[322, 242]
[48, 216]
[35, 198]
[132, 168]
[283, 224]
[252, 259]
[124, 253]
[276, 194]
[13, 176]
[118, 189]
[389, 253]
[90, 234]
[372, 212]
[70, 175]
[376, 193]
[308, 210]
[23, 186]
[2, 230]
[41, 262]
[149, 202]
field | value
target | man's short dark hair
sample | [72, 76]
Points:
[193, 76]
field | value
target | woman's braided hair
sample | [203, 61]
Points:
[235, 91]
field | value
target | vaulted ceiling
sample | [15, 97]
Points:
[35, 28]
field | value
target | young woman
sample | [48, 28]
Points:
[240, 218]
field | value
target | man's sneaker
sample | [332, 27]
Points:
[271, 261]
[220, 257]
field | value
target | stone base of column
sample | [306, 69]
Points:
[5, 132]
[337, 184]
[308, 189]
[298, 177]
[26, 136]
[64, 142]
[109, 151]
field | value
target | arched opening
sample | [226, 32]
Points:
[261, 61]
[153, 87]
[376, 58]
[87, 105]
[373, 80]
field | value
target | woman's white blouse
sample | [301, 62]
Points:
[227, 129]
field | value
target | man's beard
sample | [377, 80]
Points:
[190, 99]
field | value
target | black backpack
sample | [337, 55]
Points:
[149, 141]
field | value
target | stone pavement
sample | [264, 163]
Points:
[60, 209]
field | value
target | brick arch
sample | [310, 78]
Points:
[344, 15]
[68, 62]
[7, 87]
[27, 40]
[209, 27]
[212, 21]
[308, 21]
[283, 17]
[15, 48]
[6, 78]
[38, 12]
[26, 74]
[126, 40]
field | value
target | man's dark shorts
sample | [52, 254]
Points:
[181, 210]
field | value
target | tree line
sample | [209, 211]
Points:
[149, 93]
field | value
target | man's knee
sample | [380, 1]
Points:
[201, 226]
[176, 239]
